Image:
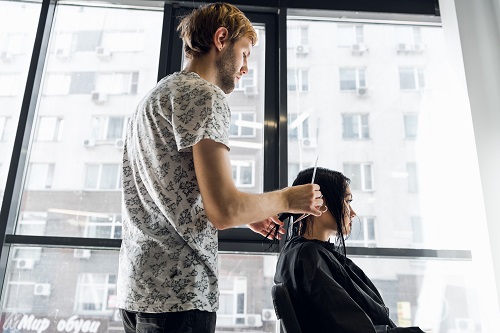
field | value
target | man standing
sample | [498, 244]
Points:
[177, 183]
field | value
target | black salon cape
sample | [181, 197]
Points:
[328, 296]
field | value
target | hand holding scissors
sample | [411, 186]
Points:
[312, 182]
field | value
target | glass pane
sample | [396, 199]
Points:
[245, 283]
[18, 24]
[407, 78]
[54, 285]
[438, 296]
[393, 179]
[61, 287]
[92, 84]
[247, 106]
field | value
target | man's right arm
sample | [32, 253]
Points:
[228, 207]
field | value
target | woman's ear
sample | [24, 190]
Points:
[221, 36]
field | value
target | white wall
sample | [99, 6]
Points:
[477, 24]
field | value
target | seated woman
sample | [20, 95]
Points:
[328, 291]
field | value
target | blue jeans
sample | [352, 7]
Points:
[192, 321]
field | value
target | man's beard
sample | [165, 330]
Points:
[225, 70]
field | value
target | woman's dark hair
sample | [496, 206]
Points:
[333, 187]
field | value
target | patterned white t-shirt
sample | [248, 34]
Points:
[168, 258]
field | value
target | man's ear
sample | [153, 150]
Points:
[221, 38]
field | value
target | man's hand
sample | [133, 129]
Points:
[265, 226]
[304, 199]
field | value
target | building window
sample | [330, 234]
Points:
[243, 172]
[411, 126]
[298, 80]
[412, 177]
[109, 128]
[30, 253]
[123, 41]
[363, 231]
[242, 124]
[82, 82]
[57, 84]
[40, 176]
[293, 171]
[32, 223]
[117, 83]
[417, 231]
[104, 226]
[352, 78]
[361, 176]
[297, 36]
[232, 303]
[49, 128]
[298, 126]
[355, 126]
[86, 40]
[408, 39]
[411, 78]
[348, 35]
[102, 177]
[95, 293]
[19, 294]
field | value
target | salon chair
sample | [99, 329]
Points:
[284, 309]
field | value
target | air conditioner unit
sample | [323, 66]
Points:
[250, 90]
[302, 49]
[253, 320]
[403, 47]
[99, 97]
[82, 253]
[89, 142]
[361, 91]
[41, 289]
[359, 48]
[119, 143]
[6, 56]
[25, 263]
[62, 53]
[465, 325]
[418, 47]
[269, 315]
[308, 143]
[102, 52]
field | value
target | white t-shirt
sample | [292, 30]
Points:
[168, 257]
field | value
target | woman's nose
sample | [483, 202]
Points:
[353, 213]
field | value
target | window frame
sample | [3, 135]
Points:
[360, 128]
[357, 78]
[275, 130]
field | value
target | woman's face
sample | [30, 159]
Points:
[348, 211]
[324, 226]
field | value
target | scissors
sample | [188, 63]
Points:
[312, 182]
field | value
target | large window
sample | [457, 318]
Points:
[90, 87]
[388, 144]
[93, 62]
[18, 24]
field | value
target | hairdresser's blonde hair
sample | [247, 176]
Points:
[198, 28]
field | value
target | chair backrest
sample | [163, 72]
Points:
[284, 309]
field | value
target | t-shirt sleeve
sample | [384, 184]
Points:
[205, 115]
